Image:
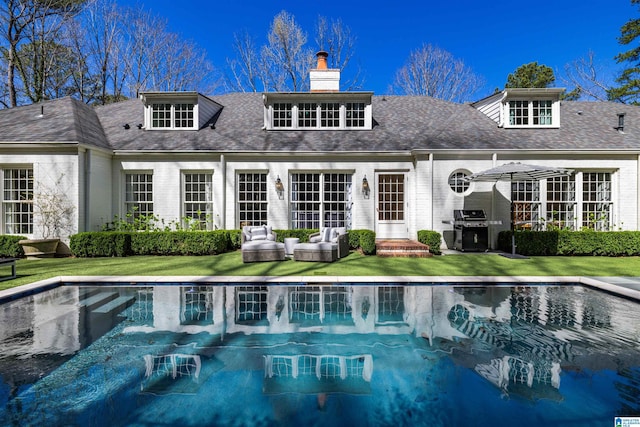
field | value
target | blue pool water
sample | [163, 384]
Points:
[280, 355]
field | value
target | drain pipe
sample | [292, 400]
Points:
[223, 213]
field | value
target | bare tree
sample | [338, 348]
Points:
[30, 22]
[589, 79]
[285, 58]
[336, 39]
[283, 64]
[245, 71]
[434, 72]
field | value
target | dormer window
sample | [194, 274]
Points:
[286, 111]
[531, 107]
[178, 110]
[530, 113]
[172, 116]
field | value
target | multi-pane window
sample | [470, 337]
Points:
[252, 198]
[184, 115]
[337, 189]
[561, 202]
[198, 194]
[518, 113]
[251, 304]
[139, 194]
[165, 115]
[330, 114]
[354, 112]
[525, 196]
[458, 183]
[282, 115]
[17, 200]
[542, 112]
[320, 200]
[161, 115]
[563, 205]
[307, 114]
[531, 113]
[314, 115]
[596, 200]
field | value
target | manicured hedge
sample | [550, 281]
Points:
[431, 238]
[564, 242]
[126, 243]
[9, 247]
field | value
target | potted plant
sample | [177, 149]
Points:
[52, 216]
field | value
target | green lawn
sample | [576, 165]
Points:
[230, 264]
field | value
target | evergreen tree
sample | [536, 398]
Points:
[531, 75]
[629, 90]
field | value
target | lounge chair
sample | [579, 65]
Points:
[337, 235]
[325, 246]
[259, 244]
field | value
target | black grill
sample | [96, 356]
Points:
[471, 230]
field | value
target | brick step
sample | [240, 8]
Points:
[402, 248]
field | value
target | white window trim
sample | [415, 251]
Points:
[555, 113]
[149, 113]
[342, 111]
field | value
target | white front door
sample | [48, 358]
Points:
[391, 206]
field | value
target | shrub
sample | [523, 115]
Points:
[300, 233]
[367, 241]
[432, 239]
[180, 242]
[101, 244]
[565, 242]
[9, 246]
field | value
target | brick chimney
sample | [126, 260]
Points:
[322, 78]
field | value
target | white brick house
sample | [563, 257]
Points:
[184, 154]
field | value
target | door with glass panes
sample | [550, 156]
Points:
[391, 206]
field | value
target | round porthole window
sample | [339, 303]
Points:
[458, 183]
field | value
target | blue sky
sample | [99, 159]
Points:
[492, 37]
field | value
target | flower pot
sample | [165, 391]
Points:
[39, 248]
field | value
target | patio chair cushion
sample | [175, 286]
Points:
[263, 232]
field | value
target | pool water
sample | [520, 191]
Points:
[310, 354]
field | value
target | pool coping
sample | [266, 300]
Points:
[628, 287]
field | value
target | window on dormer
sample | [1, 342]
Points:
[307, 114]
[330, 115]
[530, 113]
[317, 111]
[354, 114]
[184, 115]
[166, 115]
[282, 115]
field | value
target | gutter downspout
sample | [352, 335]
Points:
[494, 161]
[223, 212]
[87, 190]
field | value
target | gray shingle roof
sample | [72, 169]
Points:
[63, 120]
[403, 123]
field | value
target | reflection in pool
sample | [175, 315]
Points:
[363, 354]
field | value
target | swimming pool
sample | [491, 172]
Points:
[319, 354]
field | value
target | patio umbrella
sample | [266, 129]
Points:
[516, 171]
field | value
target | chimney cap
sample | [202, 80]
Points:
[322, 60]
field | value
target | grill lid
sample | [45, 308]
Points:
[469, 215]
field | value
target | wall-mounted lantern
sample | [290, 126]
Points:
[365, 187]
[279, 188]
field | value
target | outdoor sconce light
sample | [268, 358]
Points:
[279, 187]
[365, 187]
